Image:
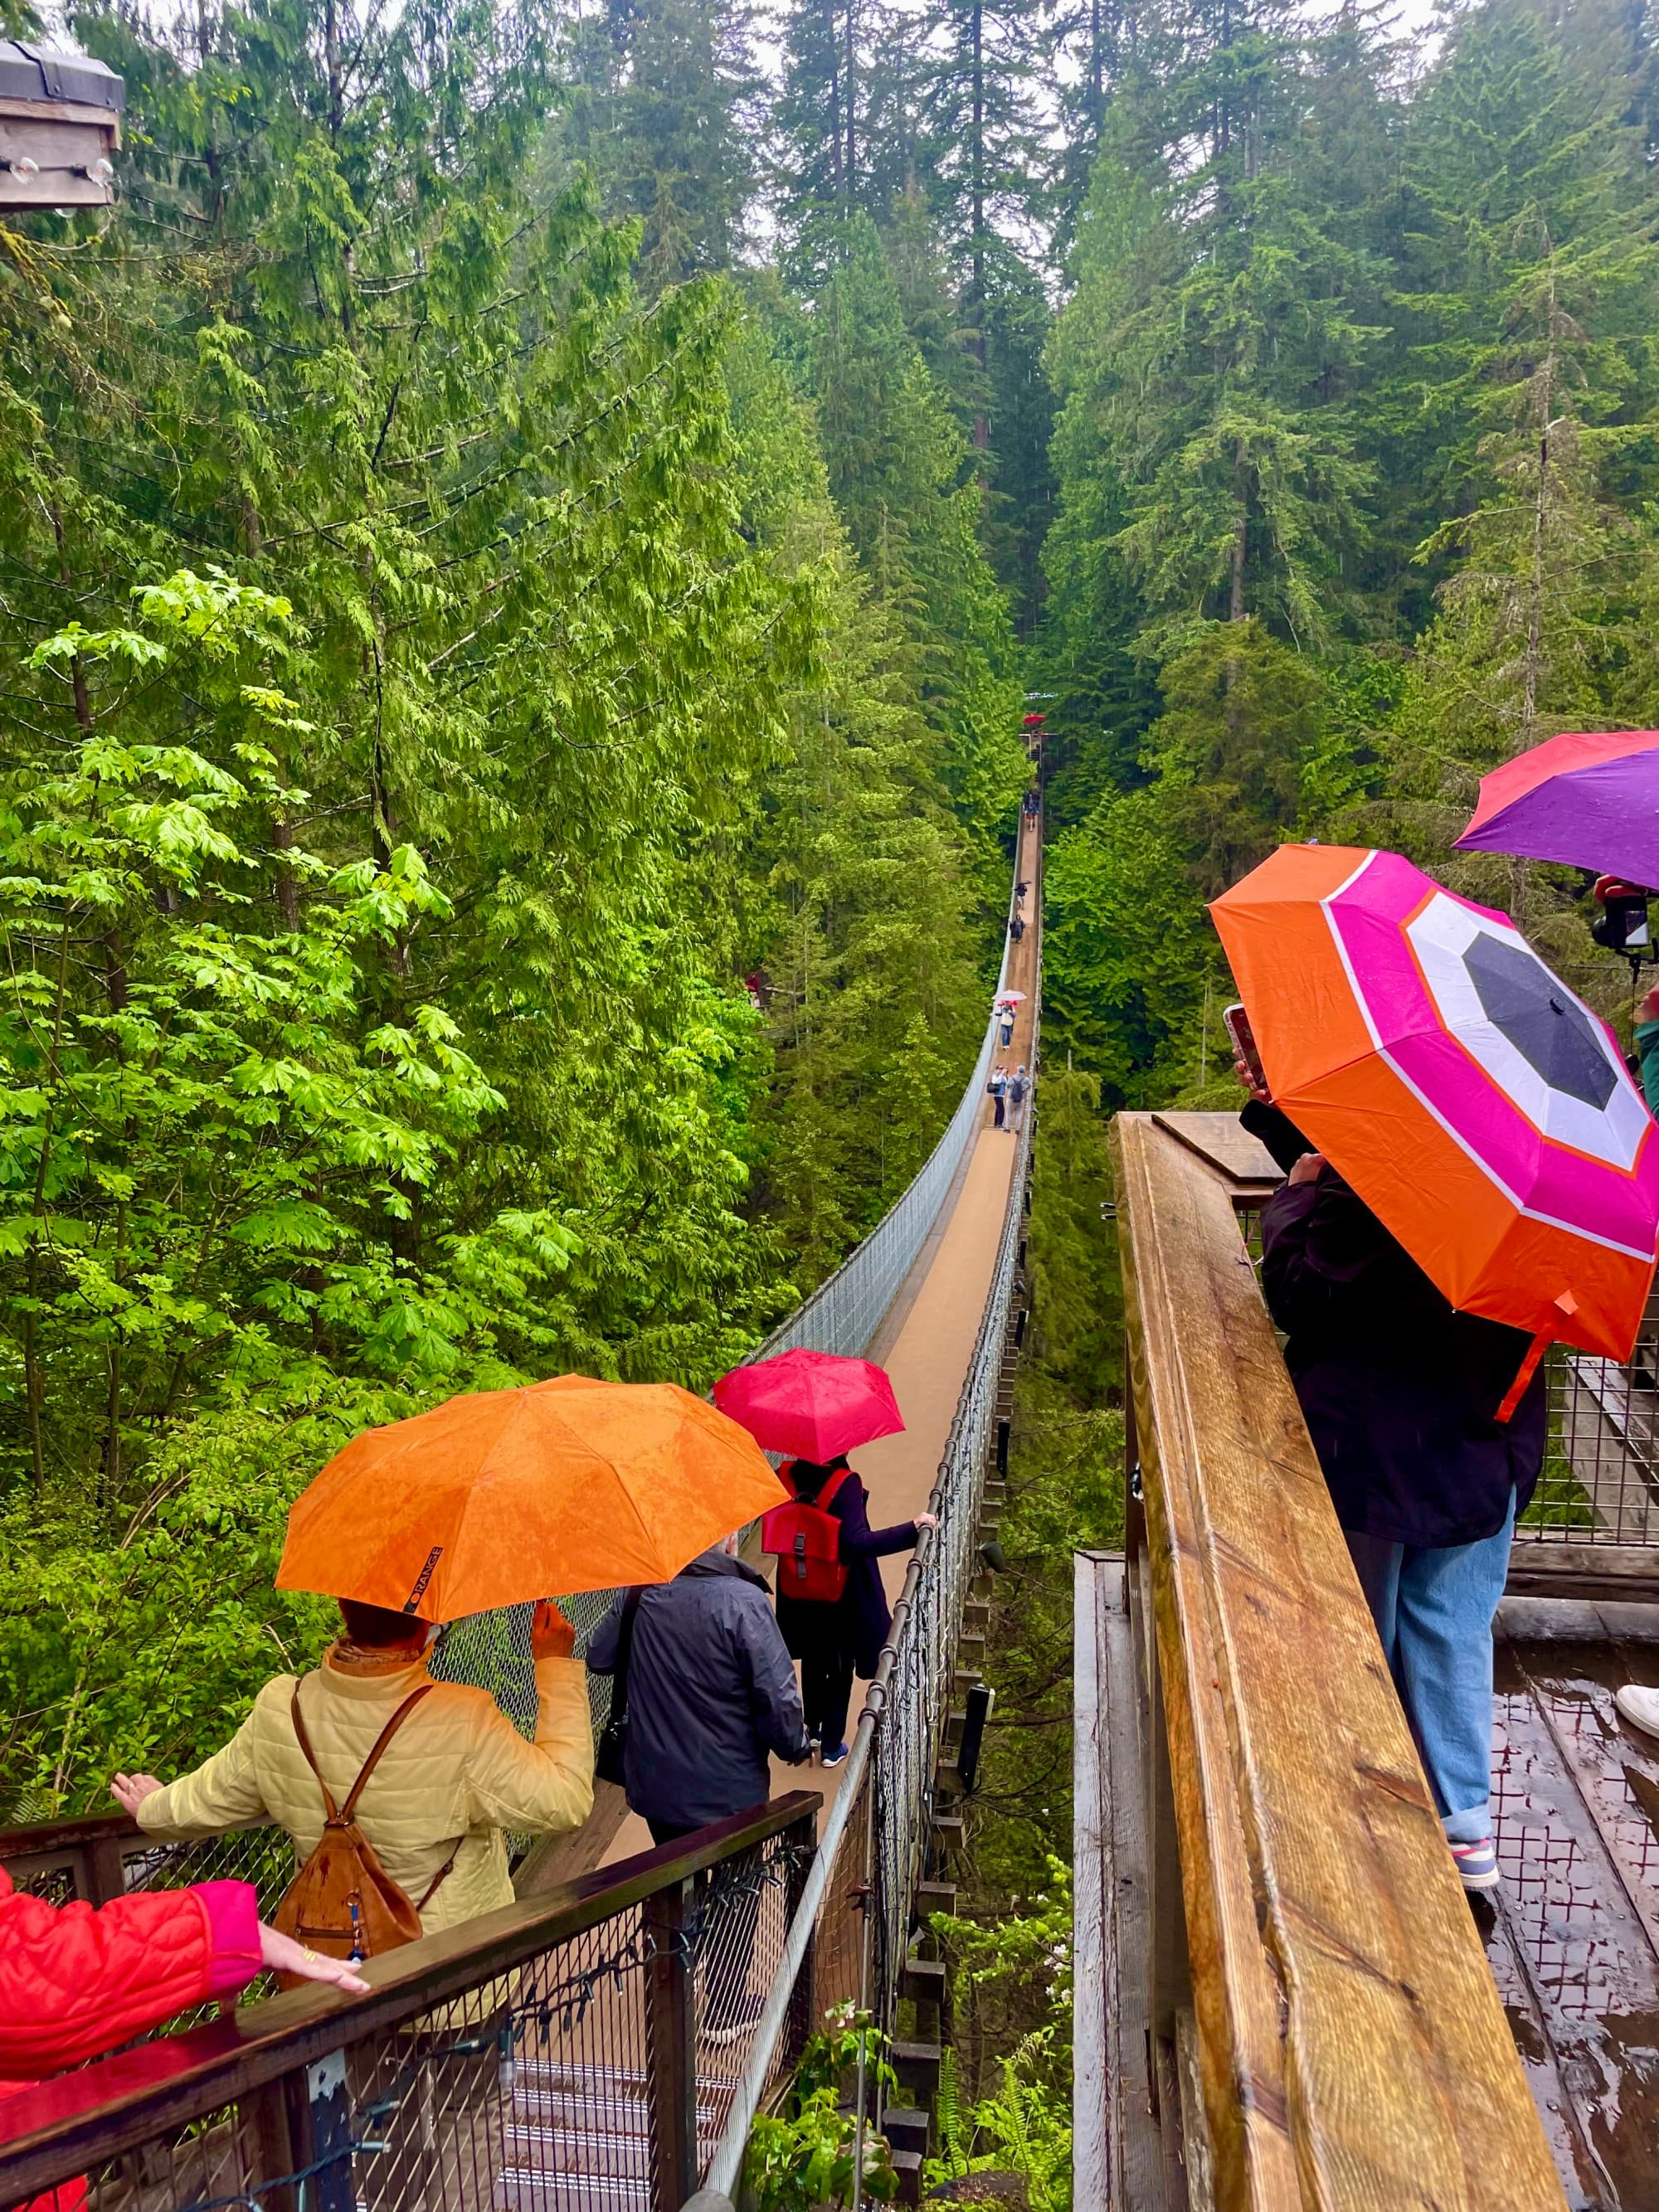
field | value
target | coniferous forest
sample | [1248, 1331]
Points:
[529, 534]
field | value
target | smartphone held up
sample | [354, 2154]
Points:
[1245, 1050]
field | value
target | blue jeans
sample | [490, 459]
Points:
[1433, 1610]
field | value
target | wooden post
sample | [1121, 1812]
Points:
[670, 2048]
[102, 1876]
[272, 2130]
[329, 2100]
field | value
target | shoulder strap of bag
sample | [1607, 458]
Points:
[624, 1645]
[346, 1811]
[832, 1488]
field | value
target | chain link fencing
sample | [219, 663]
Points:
[594, 2067]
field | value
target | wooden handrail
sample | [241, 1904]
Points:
[1353, 2049]
[35, 1839]
[82, 2119]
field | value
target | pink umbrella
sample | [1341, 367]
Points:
[1009, 997]
[811, 1405]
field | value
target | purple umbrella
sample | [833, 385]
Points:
[1590, 800]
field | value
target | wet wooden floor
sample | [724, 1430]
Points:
[1573, 1935]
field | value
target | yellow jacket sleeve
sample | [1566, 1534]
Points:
[222, 1792]
[543, 1787]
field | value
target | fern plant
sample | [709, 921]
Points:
[1022, 2128]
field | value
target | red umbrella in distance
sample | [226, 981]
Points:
[811, 1404]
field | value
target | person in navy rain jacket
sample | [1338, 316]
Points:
[711, 1694]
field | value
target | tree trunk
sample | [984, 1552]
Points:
[833, 39]
[288, 889]
[850, 73]
[982, 424]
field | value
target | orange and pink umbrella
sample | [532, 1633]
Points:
[1480, 1110]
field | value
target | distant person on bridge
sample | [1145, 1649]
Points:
[1020, 1090]
[997, 1086]
[835, 1638]
[453, 1774]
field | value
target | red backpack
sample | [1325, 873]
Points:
[805, 1540]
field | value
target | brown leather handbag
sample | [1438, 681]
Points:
[342, 1902]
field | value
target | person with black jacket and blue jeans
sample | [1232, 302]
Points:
[1400, 1394]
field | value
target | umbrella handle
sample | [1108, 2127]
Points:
[1535, 1351]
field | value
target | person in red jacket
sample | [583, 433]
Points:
[75, 1981]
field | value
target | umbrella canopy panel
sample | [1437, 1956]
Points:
[1589, 799]
[812, 1405]
[502, 1495]
[1476, 1104]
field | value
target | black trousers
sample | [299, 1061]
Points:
[826, 1692]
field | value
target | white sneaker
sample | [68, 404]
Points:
[1639, 1707]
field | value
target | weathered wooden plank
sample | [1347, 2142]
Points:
[1137, 2158]
[1352, 2048]
[1551, 1566]
[1221, 1143]
[1094, 1991]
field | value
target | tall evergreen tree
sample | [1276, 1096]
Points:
[898, 469]
[666, 109]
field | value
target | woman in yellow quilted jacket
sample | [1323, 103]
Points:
[454, 1779]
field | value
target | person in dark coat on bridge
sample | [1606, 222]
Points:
[711, 1694]
[835, 1640]
[711, 1701]
[1401, 1393]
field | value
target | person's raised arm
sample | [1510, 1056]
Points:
[858, 1540]
[75, 1981]
[545, 1788]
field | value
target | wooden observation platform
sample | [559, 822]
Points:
[1284, 1998]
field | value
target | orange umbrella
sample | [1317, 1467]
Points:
[569, 1485]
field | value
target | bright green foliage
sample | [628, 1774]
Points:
[435, 680]
[1124, 926]
[1356, 463]
[664, 109]
[1023, 2127]
[806, 2155]
[861, 919]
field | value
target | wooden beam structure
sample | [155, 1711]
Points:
[1339, 2026]
[60, 124]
